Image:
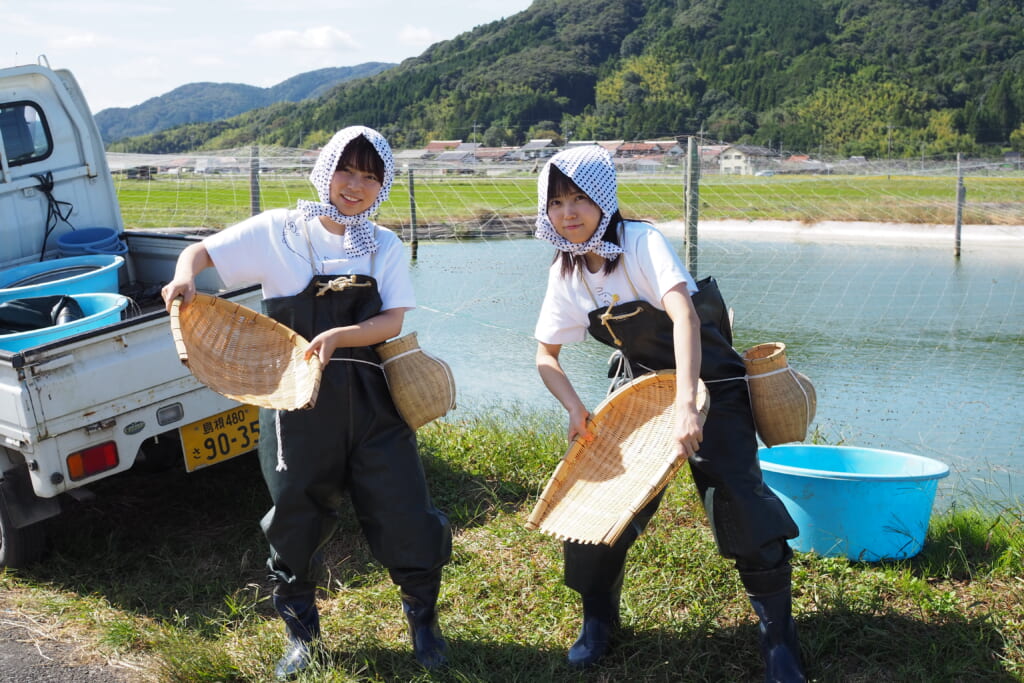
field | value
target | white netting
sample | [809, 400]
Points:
[909, 348]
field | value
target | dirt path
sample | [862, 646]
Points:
[29, 654]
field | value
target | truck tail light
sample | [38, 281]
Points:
[92, 460]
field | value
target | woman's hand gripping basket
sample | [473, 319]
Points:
[245, 355]
[601, 484]
[422, 386]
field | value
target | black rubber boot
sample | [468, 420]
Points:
[600, 619]
[302, 621]
[780, 647]
[428, 645]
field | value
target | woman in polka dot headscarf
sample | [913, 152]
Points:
[338, 279]
[623, 283]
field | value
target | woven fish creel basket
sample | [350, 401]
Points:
[422, 386]
[600, 485]
[783, 400]
[244, 355]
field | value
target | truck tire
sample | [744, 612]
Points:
[19, 547]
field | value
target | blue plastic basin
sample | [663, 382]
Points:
[862, 503]
[99, 309]
[71, 275]
[91, 241]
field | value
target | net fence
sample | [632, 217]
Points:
[852, 266]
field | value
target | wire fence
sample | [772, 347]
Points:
[910, 347]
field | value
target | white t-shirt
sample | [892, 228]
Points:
[270, 249]
[651, 265]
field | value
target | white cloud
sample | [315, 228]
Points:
[317, 38]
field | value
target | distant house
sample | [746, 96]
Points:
[746, 159]
[535, 149]
[611, 146]
[671, 147]
[711, 156]
[493, 153]
[456, 156]
[803, 163]
[636, 149]
[404, 156]
[438, 146]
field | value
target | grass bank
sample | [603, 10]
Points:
[164, 577]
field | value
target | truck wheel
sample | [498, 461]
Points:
[19, 547]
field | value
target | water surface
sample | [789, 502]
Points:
[908, 348]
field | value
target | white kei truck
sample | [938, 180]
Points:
[77, 409]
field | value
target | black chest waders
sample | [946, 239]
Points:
[749, 522]
[352, 441]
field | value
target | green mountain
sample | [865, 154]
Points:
[869, 77]
[202, 102]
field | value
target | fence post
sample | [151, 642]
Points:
[961, 194]
[254, 180]
[692, 203]
[412, 214]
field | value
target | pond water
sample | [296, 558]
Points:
[908, 348]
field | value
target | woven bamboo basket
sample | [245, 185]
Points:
[600, 485]
[422, 386]
[783, 400]
[244, 355]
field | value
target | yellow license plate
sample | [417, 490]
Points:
[220, 437]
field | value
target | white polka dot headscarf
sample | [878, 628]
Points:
[591, 169]
[359, 239]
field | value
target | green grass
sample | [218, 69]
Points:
[217, 201]
[167, 574]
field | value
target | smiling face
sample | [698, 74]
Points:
[571, 211]
[358, 178]
[353, 191]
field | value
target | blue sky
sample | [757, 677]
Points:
[125, 52]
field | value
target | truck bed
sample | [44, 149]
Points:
[112, 380]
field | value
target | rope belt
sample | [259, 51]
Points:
[340, 284]
[607, 317]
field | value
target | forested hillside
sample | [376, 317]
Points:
[870, 77]
[202, 102]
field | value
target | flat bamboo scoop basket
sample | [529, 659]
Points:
[245, 355]
[600, 485]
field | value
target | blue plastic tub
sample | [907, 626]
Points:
[71, 275]
[84, 241]
[100, 309]
[862, 503]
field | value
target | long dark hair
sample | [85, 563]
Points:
[560, 185]
[361, 155]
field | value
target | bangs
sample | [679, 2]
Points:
[559, 184]
[361, 155]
